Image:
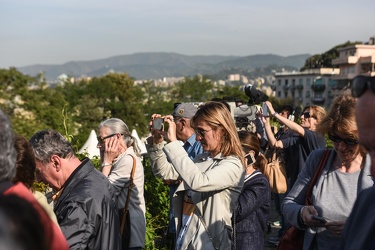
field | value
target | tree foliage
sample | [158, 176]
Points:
[325, 60]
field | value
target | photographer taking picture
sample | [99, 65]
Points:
[211, 183]
[182, 115]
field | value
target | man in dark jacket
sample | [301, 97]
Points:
[84, 201]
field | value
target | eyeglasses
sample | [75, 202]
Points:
[306, 115]
[101, 139]
[201, 132]
[360, 84]
[347, 141]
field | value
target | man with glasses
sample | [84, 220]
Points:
[84, 201]
[359, 228]
[186, 134]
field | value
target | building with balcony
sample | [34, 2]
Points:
[309, 87]
[355, 60]
[320, 86]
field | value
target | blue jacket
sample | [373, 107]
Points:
[252, 212]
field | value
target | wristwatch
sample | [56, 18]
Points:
[274, 114]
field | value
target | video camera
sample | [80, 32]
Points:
[245, 113]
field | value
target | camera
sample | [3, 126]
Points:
[158, 123]
[256, 96]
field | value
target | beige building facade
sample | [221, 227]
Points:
[355, 60]
[320, 86]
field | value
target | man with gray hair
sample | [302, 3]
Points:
[84, 200]
[54, 239]
[186, 134]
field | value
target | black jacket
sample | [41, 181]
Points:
[252, 212]
[86, 210]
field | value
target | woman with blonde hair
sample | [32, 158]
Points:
[211, 183]
[345, 174]
[297, 147]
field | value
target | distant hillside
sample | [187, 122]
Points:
[158, 65]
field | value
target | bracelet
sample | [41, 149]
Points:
[274, 114]
[106, 164]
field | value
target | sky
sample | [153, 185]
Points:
[60, 31]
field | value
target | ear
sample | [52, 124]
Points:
[56, 162]
[183, 123]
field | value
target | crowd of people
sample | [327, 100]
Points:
[219, 197]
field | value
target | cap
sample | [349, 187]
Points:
[185, 110]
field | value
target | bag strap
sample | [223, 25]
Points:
[131, 185]
[317, 174]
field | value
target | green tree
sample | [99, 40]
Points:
[30, 104]
[196, 89]
[110, 96]
[157, 99]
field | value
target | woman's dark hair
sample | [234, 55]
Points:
[250, 141]
[25, 164]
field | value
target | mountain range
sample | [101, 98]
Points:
[156, 65]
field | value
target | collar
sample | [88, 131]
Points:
[192, 139]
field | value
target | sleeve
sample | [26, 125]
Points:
[76, 227]
[252, 197]
[160, 165]
[295, 199]
[225, 174]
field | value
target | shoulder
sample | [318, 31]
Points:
[258, 176]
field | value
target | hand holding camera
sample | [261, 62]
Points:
[157, 128]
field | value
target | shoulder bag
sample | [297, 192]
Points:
[275, 171]
[293, 237]
[124, 213]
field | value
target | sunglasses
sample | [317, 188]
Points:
[360, 84]
[101, 139]
[306, 115]
[201, 132]
[347, 141]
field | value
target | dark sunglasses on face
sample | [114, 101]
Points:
[360, 84]
[306, 115]
[347, 141]
[101, 139]
[201, 132]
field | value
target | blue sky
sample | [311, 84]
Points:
[59, 31]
